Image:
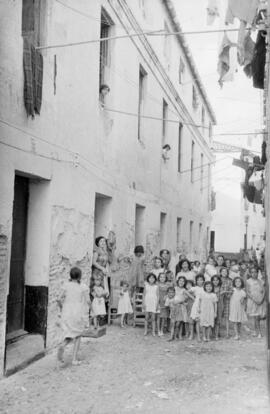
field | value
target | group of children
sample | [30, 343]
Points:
[196, 300]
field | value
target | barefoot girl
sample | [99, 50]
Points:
[237, 306]
[216, 280]
[98, 305]
[207, 309]
[180, 309]
[150, 302]
[226, 291]
[255, 300]
[190, 322]
[73, 301]
[163, 313]
[197, 291]
[124, 304]
[172, 302]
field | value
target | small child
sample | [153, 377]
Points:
[98, 305]
[172, 302]
[124, 304]
[226, 291]
[157, 269]
[256, 300]
[180, 309]
[207, 309]
[150, 302]
[237, 306]
[210, 269]
[190, 300]
[163, 313]
[74, 301]
[216, 280]
[197, 291]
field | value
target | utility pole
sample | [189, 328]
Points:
[267, 184]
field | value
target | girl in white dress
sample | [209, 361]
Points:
[74, 303]
[98, 305]
[207, 309]
[124, 304]
[150, 302]
[237, 306]
[194, 315]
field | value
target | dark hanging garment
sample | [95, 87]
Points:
[28, 78]
[258, 62]
[263, 158]
[38, 79]
[33, 78]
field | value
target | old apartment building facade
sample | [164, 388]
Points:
[80, 166]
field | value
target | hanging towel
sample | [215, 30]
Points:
[244, 10]
[258, 62]
[212, 11]
[249, 47]
[227, 64]
[28, 78]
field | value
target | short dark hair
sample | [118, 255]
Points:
[158, 258]
[164, 274]
[98, 240]
[199, 276]
[164, 251]
[208, 283]
[172, 288]
[218, 277]
[188, 262]
[227, 270]
[242, 282]
[151, 275]
[138, 249]
[75, 274]
[124, 283]
[166, 146]
[184, 279]
[104, 86]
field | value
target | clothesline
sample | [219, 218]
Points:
[160, 32]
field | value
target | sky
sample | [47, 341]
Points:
[237, 105]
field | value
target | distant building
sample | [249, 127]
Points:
[92, 160]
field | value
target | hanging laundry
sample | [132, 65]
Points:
[227, 63]
[212, 11]
[258, 61]
[264, 157]
[257, 180]
[249, 46]
[244, 10]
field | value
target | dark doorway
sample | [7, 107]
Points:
[15, 304]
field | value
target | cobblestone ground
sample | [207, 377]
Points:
[124, 372]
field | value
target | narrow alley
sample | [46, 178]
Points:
[125, 372]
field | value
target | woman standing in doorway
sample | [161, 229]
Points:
[100, 265]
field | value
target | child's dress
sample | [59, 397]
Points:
[189, 305]
[226, 286]
[124, 304]
[179, 310]
[151, 298]
[197, 291]
[237, 306]
[207, 307]
[73, 318]
[98, 304]
[163, 310]
[255, 288]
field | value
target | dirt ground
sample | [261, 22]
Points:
[125, 372]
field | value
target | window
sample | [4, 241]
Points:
[195, 102]
[104, 54]
[203, 118]
[139, 225]
[167, 43]
[178, 233]
[209, 186]
[201, 173]
[180, 129]
[200, 234]
[210, 131]
[192, 162]
[163, 219]
[181, 70]
[190, 236]
[164, 121]
[142, 89]
[31, 20]
[212, 241]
